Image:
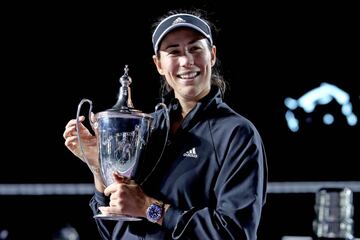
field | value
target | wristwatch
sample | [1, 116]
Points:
[155, 211]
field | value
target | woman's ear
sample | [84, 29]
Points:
[158, 64]
[213, 55]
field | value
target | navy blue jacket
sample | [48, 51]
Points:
[213, 173]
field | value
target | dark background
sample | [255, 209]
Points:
[55, 55]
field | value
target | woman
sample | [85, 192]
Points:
[210, 182]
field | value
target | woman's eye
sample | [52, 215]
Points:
[195, 48]
[174, 52]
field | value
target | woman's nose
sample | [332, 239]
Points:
[187, 59]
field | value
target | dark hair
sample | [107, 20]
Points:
[216, 78]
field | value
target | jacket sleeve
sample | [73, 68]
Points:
[105, 228]
[240, 192]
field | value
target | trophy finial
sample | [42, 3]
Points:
[125, 79]
[124, 102]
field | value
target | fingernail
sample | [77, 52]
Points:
[101, 209]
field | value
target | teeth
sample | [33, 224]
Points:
[188, 75]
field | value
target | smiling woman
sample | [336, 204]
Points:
[212, 172]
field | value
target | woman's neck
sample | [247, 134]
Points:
[188, 104]
[186, 107]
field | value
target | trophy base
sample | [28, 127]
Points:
[117, 217]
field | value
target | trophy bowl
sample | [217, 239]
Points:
[121, 141]
[122, 138]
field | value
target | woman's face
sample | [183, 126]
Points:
[185, 61]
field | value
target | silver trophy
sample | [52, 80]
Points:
[122, 134]
[334, 213]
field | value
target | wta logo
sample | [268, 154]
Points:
[312, 100]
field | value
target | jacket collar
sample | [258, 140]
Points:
[206, 103]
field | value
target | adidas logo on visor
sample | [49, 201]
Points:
[178, 20]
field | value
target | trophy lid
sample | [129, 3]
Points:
[124, 106]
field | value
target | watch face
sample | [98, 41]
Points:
[154, 212]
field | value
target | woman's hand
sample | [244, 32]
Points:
[126, 198]
[89, 143]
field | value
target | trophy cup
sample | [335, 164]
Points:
[122, 134]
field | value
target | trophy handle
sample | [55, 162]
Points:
[167, 116]
[78, 129]
[167, 121]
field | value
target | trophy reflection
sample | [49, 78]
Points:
[122, 134]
